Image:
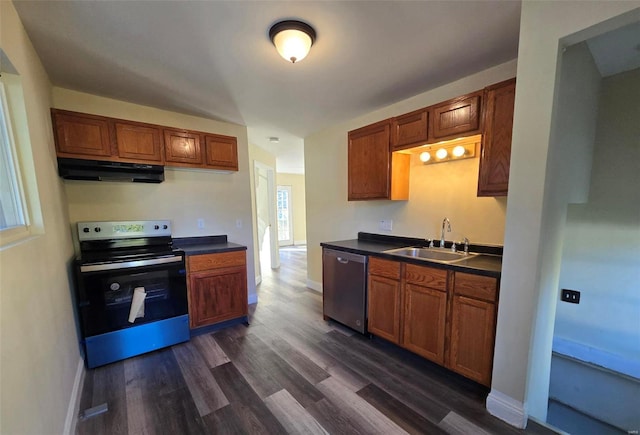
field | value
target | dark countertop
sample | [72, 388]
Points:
[370, 244]
[206, 245]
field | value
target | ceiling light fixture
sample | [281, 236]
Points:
[293, 39]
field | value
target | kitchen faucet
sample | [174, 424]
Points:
[444, 221]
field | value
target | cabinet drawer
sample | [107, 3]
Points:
[197, 263]
[387, 268]
[476, 286]
[426, 277]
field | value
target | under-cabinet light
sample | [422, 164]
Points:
[425, 157]
[446, 151]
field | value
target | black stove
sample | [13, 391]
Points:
[131, 289]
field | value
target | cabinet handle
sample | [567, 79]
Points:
[342, 260]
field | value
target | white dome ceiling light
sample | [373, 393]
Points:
[293, 39]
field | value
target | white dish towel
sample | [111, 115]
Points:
[137, 304]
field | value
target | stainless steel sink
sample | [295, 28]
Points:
[431, 254]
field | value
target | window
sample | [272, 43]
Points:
[285, 233]
[13, 216]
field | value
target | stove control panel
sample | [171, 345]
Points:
[123, 229]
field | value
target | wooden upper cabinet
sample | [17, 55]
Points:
[182, 148]
[410, 130]
[221, 152]
[369, 162]
[79, 135]
[457, 117]
[374, 171]
[495, 158]
[138, 142]
[84, 136]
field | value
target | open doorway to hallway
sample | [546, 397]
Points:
[595, 365]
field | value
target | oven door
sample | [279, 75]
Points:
[105, 292]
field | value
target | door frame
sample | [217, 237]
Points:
[271, 203]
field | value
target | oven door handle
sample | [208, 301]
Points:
[130, 264]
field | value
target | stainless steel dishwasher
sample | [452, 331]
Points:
[344, 282]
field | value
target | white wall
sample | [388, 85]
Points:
[435, 191]
[601, 255]
[221, 199]
[528, 294]
[39, 351]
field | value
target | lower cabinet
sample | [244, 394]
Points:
[217, 286]
[473, 326]
[472, 338]
[384, 299]
[425, 311]
[445, 316]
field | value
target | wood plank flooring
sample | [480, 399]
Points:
[288, 372]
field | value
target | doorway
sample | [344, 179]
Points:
[595, 365]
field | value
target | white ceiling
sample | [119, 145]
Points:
[214, 58]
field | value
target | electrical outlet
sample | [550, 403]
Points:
[572, 296]
[201, 224]
[238, 223]
[385, 224]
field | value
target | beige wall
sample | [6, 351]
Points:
[435, 191]
[298, 199]
[39, 354]
[222, 199]
[520, 374]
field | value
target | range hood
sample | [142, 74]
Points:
[100, 170]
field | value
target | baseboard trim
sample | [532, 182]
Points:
[299, 242]
[314, 285]
[253, 298]
[507, 409]
[71, 421]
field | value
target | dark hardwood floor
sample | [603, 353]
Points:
[288, 372]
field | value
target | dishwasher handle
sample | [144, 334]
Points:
[344, 257]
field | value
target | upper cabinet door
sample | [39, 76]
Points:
[80, 135]
[457, 117]
[221, 152]
[182, 148]
[369, 163]
[138, 142]
[495, 158]
[410, 130]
